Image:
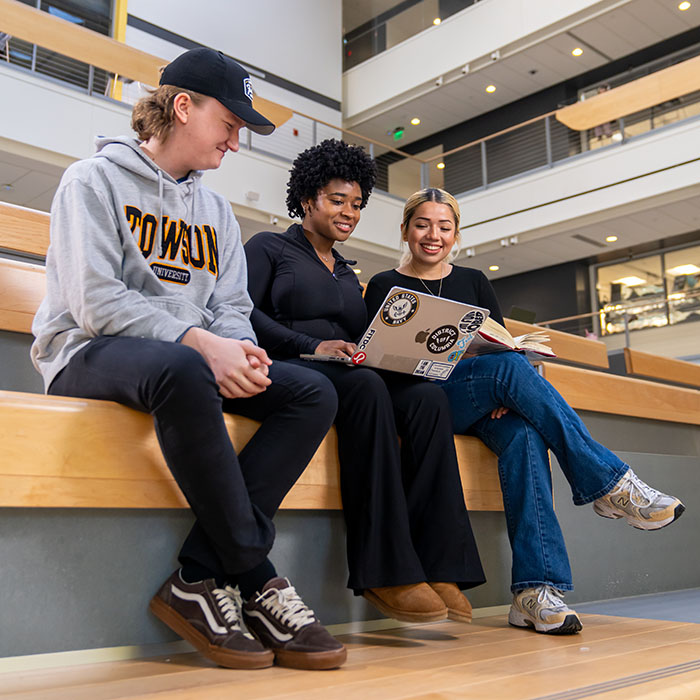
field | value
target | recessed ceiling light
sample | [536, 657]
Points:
[440, 166]
[578, 51]
[631, 281]
[688, 269]
[493, 268]
[610, 239]
[684, 6]
[437, 21]
[490, 88]
[357, 270]
[415, 121]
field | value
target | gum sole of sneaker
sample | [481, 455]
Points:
[311, 661]
[403, 615]
[223, 657]
[571, 625]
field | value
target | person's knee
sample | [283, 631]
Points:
[323, 396]
[185, 370]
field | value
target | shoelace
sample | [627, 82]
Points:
[287, 606]
[230, 603]
[632, 484]
[552, 596]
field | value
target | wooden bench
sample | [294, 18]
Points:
[74, 464]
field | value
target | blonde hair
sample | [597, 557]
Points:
[154, 115]
[429, 194]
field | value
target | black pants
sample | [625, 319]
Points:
[403, 503]
[233, 497]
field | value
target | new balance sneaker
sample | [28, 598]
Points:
[640, 505]
[209, 618]
[543, 609]
[279, 618]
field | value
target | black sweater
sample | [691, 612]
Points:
[298, 302]
[463, 284]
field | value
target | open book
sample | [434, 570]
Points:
[493, 337]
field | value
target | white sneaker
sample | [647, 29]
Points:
[640, 505]
[543, 608]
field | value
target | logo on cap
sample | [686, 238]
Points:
[248, 88]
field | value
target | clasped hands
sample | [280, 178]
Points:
[240, 367]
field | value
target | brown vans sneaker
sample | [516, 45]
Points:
[209, 618]
[413, 602]
[280, 619]
[458, 606]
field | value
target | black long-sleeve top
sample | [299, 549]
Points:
[463, 284]
[298, 301]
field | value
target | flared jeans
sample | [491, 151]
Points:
[539, 419]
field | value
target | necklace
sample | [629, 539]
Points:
[439, 294]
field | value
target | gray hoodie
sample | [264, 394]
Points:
[135, 253]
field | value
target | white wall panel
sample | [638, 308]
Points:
[300, 40]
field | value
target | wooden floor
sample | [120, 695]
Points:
[613, 658]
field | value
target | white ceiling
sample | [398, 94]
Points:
[615, 34]
[27, 182]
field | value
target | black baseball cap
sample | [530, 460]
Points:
[213, 74]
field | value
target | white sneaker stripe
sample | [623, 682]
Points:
[215, 627]
[279, 636]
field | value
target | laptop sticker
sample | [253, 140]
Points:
[399, 309]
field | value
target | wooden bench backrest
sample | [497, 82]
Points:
[668, 369]
[568, 347]
[24, 230]
[589, 390]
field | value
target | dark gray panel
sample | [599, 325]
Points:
[16, 370]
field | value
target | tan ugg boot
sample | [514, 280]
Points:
[415, 602]
[458, 607]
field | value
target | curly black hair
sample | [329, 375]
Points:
[315, 167]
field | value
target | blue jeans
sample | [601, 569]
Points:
[539, 419]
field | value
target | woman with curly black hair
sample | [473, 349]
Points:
[410, 545]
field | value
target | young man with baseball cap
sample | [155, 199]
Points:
[147, 305]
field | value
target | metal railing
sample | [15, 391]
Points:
[613, 319]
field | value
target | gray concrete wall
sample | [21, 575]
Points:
[82, 578]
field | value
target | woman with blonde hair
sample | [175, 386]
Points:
[500, 398]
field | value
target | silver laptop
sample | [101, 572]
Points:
[415, 333]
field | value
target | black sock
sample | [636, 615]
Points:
[252, 581]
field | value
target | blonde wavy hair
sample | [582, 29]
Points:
[429, 194]
[154, 115]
